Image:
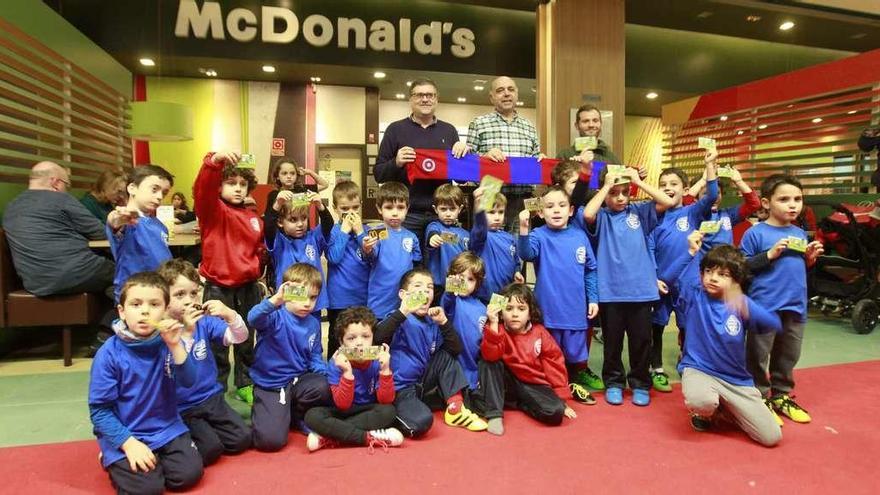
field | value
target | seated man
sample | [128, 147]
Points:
[49, 231]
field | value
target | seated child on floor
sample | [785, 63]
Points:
[145, 446]
[363, 389]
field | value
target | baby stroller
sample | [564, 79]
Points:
[845, 281]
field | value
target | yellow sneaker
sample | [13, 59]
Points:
[769, 404]
[787, 406]
[465, 419]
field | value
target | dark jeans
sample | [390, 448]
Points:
[241, 299]
[276, 410]
[500, 387]
[442, 379]
[633, 320]
[216, 429]
[351, 425]
[179, 468]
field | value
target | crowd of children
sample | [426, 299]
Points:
[454, 328]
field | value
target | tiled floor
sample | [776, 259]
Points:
[41, 401]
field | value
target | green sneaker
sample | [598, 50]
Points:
[660, 381]
[246, 394]
[586, 378]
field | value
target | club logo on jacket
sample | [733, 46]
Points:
[168, 365]
[433, 347]
[632, 221]
[465, 241]
[255, 224]
[482, 321]
[538, 347]
[428, 165]
[200, 350]
[312, 341]
[310, 252]
[512, 250]
[732, 325]
[407, 244]
[581, 255]
[359, 254]
[165, 237]
[682, 224]
[725, 223]
[372, 386]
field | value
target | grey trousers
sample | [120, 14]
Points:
[776, 353]
[703, 394]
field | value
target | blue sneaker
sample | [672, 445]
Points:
[614, 396]
[641, 397]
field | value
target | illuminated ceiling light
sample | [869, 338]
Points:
[461, 99]
[816, 120]
[739, 133]
[785, 26]
[762, 126]
[211, 73]
[409, 84]
[379, 74]
[400, 96]
[753, 18]
[722, 118]
[269, 68]
[147, 62]
[851, 112]
[479, 88]
[315, 79]
[652, 95]
[519, 103]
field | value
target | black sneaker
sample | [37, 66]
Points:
[701, 423]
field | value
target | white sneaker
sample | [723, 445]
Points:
[389, 437]
[315, 442]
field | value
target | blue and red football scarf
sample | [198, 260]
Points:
[441, 165]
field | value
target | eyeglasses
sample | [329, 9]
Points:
[426, 96]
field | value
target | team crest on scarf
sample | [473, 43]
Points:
[632, 221]
[732, 326]
[682, 224]
[428, 165]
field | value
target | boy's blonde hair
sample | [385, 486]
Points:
[302, 273]
[500, 202]
[468, 261]
[287, 210]
[346, 190]
[177, 267]
[144, 279]
[392, 192]
[449, 195]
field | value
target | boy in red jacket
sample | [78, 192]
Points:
[524, 365]
[232, 250]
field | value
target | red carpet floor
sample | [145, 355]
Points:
[606, 449]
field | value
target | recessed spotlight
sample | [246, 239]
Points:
[269, 68]
[479, 88]
[519, 103]
[409, 84]
[762, 126]
[722, 118]
[147, 62]
[211, 73]
[379, 74]
[785, 26]
[315, 79]
[851, 112]
[652, 95]
[739, 133]
[816, 120]
[400, 96]
[753, 18]
[461, 99]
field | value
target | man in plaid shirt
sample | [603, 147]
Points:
[503, 133]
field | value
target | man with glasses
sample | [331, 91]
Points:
[48, 232]
[421, 129]
[504, 133]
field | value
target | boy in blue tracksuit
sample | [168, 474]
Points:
[780, 270]
[289, 371]
[566, 285]
[392, 252]
[296, 243]
[626, 295]
[214, 426]
[715, 381]
[666, 244]
[444, 237]
[145, 446]
[348, 272]
[495, 246]
[468, 314]
[424, 345]
[138, 240]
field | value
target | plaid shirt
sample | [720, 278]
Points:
[515, 138]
